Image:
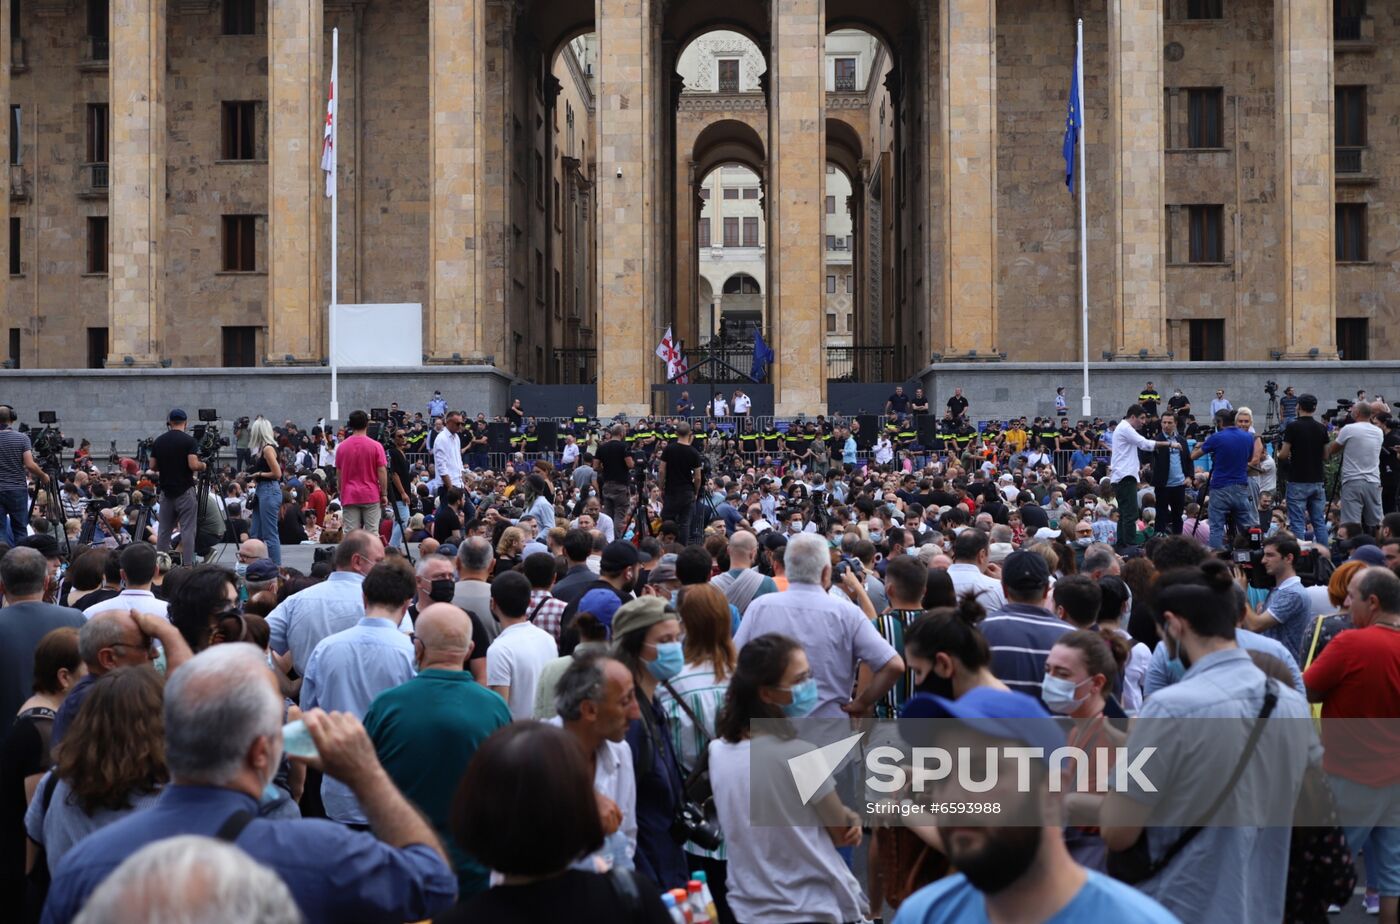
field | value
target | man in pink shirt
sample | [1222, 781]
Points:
[364, 478]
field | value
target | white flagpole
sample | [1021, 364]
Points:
[1083, 222]
[335, 215]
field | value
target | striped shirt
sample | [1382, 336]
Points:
[546, 611]
[697, 686]
[13, 446]
[892, 625]
[1020, 637]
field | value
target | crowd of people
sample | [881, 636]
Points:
[534, 691]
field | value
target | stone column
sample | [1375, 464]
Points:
[136, 263]
[1303, 90]
[968, 123]
[626, 233]
[1136, 126]
[797, 158]
[686, 258]
[296, 187]
[5, 60]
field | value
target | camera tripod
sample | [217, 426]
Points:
[204, 488]
[1271, 412]
[54, 512]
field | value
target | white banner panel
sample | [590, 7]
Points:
[379, 335]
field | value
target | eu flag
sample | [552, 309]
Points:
[1074, 121]
[762, 356]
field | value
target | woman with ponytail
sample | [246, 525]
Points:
[947, 652]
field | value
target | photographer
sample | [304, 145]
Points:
[241, 437]
[16, 457]
[679, 474]
[175, 458]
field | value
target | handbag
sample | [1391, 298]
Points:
[1136, 865]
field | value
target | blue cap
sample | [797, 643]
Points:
[991, 712]
[178, 415]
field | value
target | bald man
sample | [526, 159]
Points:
[743, 583]
[426, 730]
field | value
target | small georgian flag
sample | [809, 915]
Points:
[328, 147]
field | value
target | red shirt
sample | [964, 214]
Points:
[357, 463]
[1358, 677]
[317, 502]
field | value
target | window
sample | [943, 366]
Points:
[240, 346]
[16, 144]
[1351, 232]
[16, 7]
[831, 242]
[240, 243]
[14, 347]
[728, 75]
[849, 287]
[97, 244]
[1204, 9]
[1206, 242]
[830, 169]
[539, 179]
[740, 284]
[97, 122]
[16, 267]
[1351, 117]
[1353, 338]
[97, 24]
[1207, 340]
[850, 323]
[731, 232]
[704, 232]
[831, 205]
[239, 18]
[831, 285]
[1205, 113]
[831, 323]
[96, 347]
[704, 192]
[239, 124]
[731, 193]
[750, 232]
[539, 277]
[845, 69]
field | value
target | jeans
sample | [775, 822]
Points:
[14, 514]
[1231, 500]
[264, 524]
[1126, 492]
[1373, 813]
[1307, 502]
[396, 537]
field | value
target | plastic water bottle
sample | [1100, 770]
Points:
[703, 878]
[679, 897]
[668, 901]
[296, 740]
[695, 903]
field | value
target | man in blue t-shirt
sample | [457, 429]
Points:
[1231, 450]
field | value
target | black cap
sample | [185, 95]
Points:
[1025, 570]
[178, 415]
[619, 555]
[1307, 402]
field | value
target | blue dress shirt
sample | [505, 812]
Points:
[302, 620]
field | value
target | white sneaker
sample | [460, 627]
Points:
[1334, 909]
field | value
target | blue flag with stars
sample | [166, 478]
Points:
[1074, 121]
[762, 356]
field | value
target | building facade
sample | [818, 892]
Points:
[535, 176]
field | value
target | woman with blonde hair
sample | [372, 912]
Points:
[266, 472]
[508, 549]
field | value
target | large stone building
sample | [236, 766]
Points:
[532, 173]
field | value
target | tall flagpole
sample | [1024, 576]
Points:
[1083, 221]
[335, 216]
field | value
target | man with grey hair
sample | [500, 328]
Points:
[223, 743]
[191, 880]
[836, 634]
[24, 620]
[425, 731]
[473, 594]
[596, 701]
[1100, 560]
[301, 621]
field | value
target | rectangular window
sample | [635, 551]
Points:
[831, 205]
[1351, 232]
[751, 192]
[16, 8]
[97, 21]
[728, 75]
[1353, 338]
[97, 244]
[831, 242]
[239, 17]
[539, 277]
[750, 232]
[240, 347]
[845, 69]
[831, 285]
[16, 139]
[1205, 113]
[831, 324]
[96, 347]
[14, 347]
[1351, 117]
[704, 192]
[850, 323]
[1205, 9]
[1207, 340]
[97, 128]
[539, 179]
[240, 243]
[704, 232]
[239, 130]
[15, 266]
[1206, 242]
[731, 232]
[731, 193]
[849, 287]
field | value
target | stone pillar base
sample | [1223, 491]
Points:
[793, 410]
[972, 356]
[1135, 356]
[142, 361]
[606, 412]
[288, 363]
[1321, 354]
[460, 359]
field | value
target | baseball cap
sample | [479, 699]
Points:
[1370, 554]
[263, 569]
[1045, 532]
[1025, 570]
[617, 556]
[663, 572]
[177, 415]
[641, 613]
[1000, 714]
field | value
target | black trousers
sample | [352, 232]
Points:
[1170, 504]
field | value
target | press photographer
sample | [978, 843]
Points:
[175, 457]
[16, 457]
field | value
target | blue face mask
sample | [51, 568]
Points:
[1176, 667]
[240, 569]
[670, 658]
[804, 699]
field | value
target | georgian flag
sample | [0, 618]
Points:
[667, 352]
[328, 146]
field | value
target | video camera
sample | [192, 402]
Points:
[206, 434]
[380, 430]
[49, 443]
[1271, 388]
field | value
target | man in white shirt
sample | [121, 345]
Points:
[720, 406]
[447, 453]
[1124, 467]
[138, 567]
[971, 551]
[1361, 467]
[742, 404]
[603, 522]
[522, 650]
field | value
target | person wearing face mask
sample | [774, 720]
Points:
[436, 584]
[790, 872]
[646, 639]
[947, 653]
